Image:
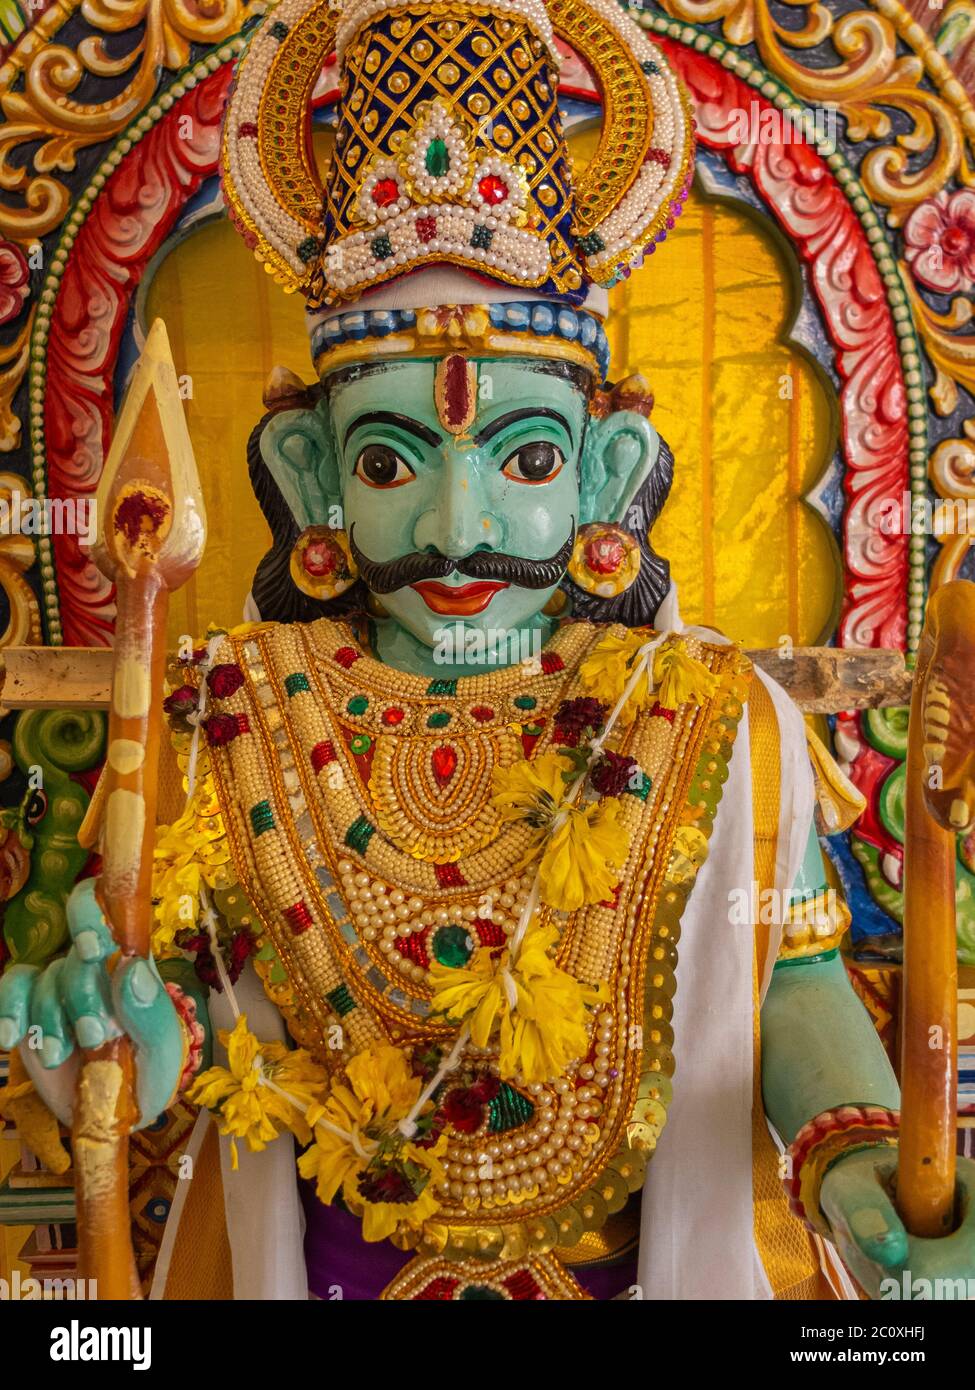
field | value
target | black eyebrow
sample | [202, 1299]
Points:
[531, 412]
[390, 417]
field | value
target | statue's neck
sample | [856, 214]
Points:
[462, 653]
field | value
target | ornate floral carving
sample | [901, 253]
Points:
[868, 81]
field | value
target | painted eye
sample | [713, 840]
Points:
[380, 466]
[534, 463]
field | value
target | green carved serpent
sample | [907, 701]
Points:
[58, 742]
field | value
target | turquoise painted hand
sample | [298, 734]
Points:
[887, 1262]
[77, 1002]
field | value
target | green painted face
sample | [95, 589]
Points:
[507, 486]
[463, 537]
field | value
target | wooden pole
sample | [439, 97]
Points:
[940, 803]
[152, 532]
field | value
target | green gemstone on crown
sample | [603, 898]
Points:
[437, 159]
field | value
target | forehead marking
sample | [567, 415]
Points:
[455, 392]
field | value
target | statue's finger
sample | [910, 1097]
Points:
[16, 986]
[867, 1213]
[86, 996]
[47, 1016]
[89, 930]
[146, 1012]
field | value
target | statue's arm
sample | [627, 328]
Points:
[819, 1051]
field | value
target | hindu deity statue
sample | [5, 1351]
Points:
[485, 805]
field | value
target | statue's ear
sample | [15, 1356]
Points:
[298, 449]
[620, 452]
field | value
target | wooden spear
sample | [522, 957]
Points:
[151, 536]
[940, 803]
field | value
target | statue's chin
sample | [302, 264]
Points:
[501, 632]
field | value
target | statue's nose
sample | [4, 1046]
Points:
[459, 521]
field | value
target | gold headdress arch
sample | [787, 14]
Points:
[449, 148]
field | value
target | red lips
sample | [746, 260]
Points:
[462, 601]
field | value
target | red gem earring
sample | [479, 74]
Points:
[321, 562]
[605, 559]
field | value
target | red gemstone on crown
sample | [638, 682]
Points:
[444, 763]
[426, 228]
[604, 554]
[385, 192]
[393, 715]
[493, 190]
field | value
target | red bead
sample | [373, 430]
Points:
[552, 662]
[247, 130]
[243, 724]
[449, 876]
[298, 917]
[522, 1287]
[415, 947]
[322, 754]
[659, 711]
[426, 228]
[392, 715]
[482, 713]
[493, 190]
[385, 192]
[488, 933]
[345, 656]
[439, 1290]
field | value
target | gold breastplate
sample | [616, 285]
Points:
[359, 812]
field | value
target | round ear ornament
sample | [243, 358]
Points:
[605, 559]
[321, 563]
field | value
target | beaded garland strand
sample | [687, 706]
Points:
[339, 923]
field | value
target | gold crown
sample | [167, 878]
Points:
[449, 147]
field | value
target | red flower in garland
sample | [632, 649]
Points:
[182, 701]
[14, 274]
[573, 717]
[612, 773]
[221, 729]
[463, 1108]
[241, 946]
[225, 680]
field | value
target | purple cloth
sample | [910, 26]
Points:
[341, 1263]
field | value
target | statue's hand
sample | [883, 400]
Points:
[871, 1237]
[77, 1002]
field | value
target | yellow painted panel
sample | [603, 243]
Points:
[749, 417]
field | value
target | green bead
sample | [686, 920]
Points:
[262, 817]
[452, 946]
[442, 687]
[361, 743]
[358, 704]
[437, 158]
[525, 702]
[478, 1293]
[438, 720]
[359, 833]
[295, 683]
[509, 1110]
[341, 1000]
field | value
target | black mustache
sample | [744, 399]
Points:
[383, 576]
